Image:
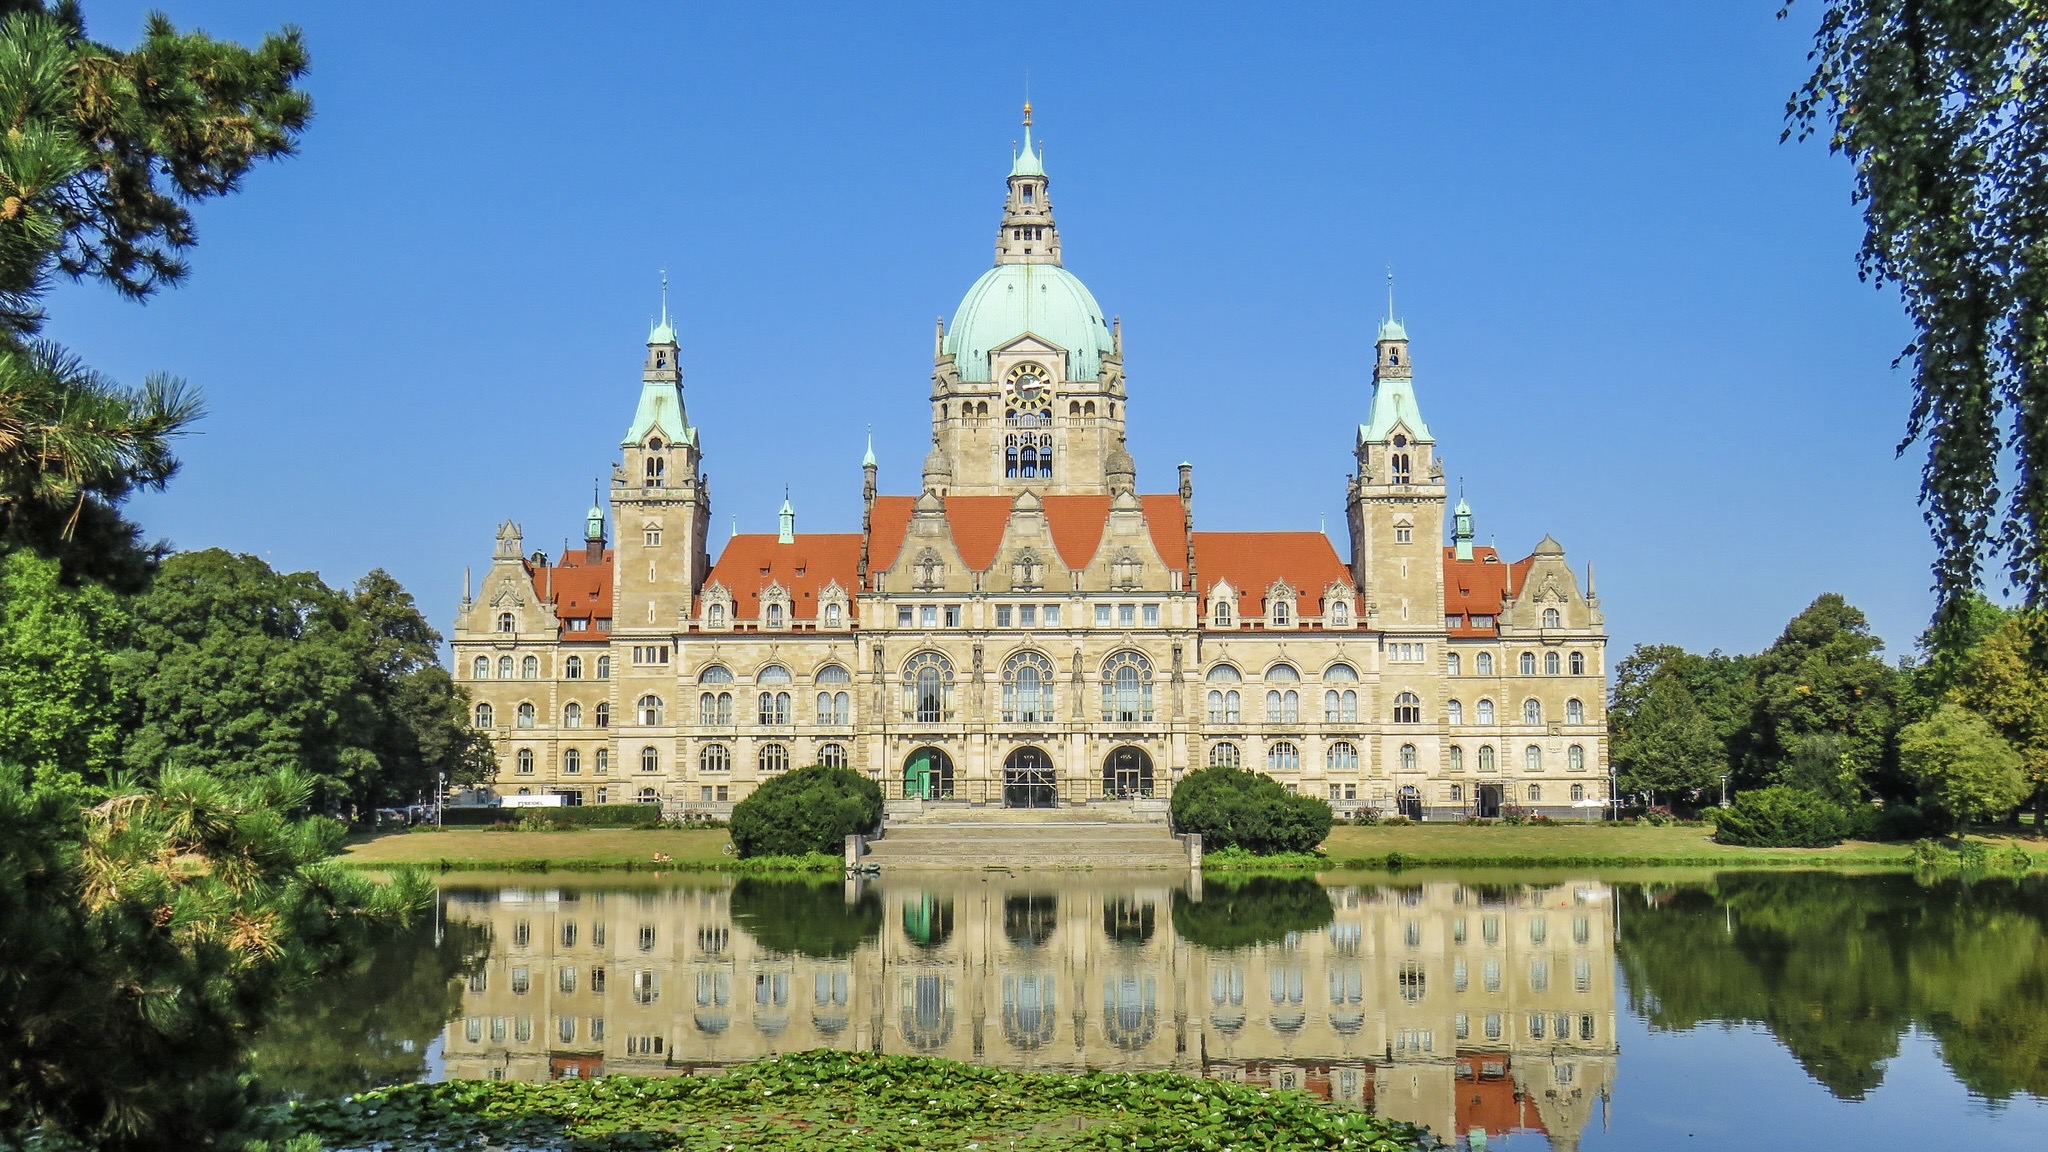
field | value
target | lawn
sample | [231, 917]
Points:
[472, 848]
[1624, 844]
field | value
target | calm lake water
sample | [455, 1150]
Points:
[1741, 1010]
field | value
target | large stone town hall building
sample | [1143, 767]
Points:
[1031, 628]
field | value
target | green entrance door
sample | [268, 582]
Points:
[928, 775]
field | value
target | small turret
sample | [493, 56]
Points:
[786, 522]
[1461, 530]
[1028, 234]
[593, 530]
[1119, 469]
[938, 469]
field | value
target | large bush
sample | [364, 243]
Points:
[809, 810]
[1781, 817]
[1233, 808]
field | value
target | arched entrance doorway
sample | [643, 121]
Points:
[1489, 802]
[1127, 774]
[1411, 802]
[1028, 780]
[928, 775]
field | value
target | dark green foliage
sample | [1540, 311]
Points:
[1781, 817]
[1890, 824]
[57, 661]
[591, 815]
[1672, 715]
[1233, 808]
[806, 918]
[1241, 913]
[1823, 705]
[808, 810]
[1938, 105]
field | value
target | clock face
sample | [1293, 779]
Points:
[1029, 387]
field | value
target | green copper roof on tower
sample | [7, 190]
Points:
[867, 459]
[786, 522]
[663, 331]
[1028, 162]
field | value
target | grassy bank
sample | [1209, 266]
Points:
[571, 850]
[1590, 845]
[826, 1100]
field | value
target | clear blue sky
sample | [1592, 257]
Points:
[1635, 314]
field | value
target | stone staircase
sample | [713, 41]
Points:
[1017, 840]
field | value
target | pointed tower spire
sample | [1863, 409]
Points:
[663, 331]
[1461, 531]
[867, 459]
[786, 522]
[1027, 235]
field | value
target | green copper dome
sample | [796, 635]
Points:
[1044, 300]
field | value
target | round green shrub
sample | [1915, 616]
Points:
[1233, 808]
[809, 810]
[1781, 817]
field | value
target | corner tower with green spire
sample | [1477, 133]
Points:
[1027, 380]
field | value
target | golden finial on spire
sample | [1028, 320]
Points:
[1027, 113]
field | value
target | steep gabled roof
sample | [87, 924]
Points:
[750, 563]
[581, 590]
[977, 524]
[1252, 561]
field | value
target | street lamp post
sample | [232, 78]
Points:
[1724, 789]
[440, 795]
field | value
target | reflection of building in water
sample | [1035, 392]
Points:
[1457, 1006]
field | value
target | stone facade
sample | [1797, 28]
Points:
[1030, 629]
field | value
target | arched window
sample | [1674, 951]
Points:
[647, 796]
[650, 759]
[833, 674]
[1574, 711]
[1342, 757]
[529, 668]
[1578, 793]
[483, 715]
[1535, 793]
[928, 688]
[1282, 674]
[1401, 468]
[772, 674]
[1224, 674]
[1340, 614]
[602, 764]
[1578, 663]
[1340, 707]
[772, 708]
[1283, 756]
[774, 615]
[1454, 712]
[604, 667]
[1224, 706]
[523, 718]
[505, 623]
[1528, 663]
[656, 472]
[1532, 711]
[523, 762]
[1457, 758]
[1452, 664]
[707, 707]
[1552, 664]
[1221, 614]
[715, 674]
[1532, 758]
[774, 758]
[572, 668]
[1485, 711]
[714, 616]
[833, 756]
[1407, 708]
[1407, 757]
[481, 669]
[1340, 673]
[835, 708]
[572, 762]
[1282, 613]
[832, 615]
[1486, 758]
[504, 667]
[1027, 689]
[649, 707]
[714, 758]
[1283, 707]
[572, 715]
[1224, 755]
[1484, 664]
[1127, 689]
[604, 715]
[1575, 758]
[1552, 618]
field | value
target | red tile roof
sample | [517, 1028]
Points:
[978, 522]
[1479, 587]
[1251, 561]
[1488, 1098]
[579, 590]
[804, 568]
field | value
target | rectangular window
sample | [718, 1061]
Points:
[1404, 535]
[597, 1029]
[1102, 615]
[653, 537]
[721, 797]
[1151, 615]
[1052, 615]
[1027, 615]
[704, 794]
[1126, 615]
[928, 616]
[952, 615]
[904, 619]
[579, 624]
[1003, 613]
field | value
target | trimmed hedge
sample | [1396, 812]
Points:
[1234, 808]
[583, 816]
[809, 810]
[1781, 817]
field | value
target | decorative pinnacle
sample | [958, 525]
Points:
[1390, 289]
[1027, 113]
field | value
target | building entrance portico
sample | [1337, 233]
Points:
[1127, 774]
[1029, 780]
[1489, 801]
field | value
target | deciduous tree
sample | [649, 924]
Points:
[1963, 765]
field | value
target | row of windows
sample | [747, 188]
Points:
[773, 614]
[774, 708]
[1279, 613]
[1532, 711]
[1553, 664]
[712, 758]
[526, 716]
[529, 668]
[1027, 616]
[1342, 756]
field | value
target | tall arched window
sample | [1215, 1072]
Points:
[1485, 711]
[1535, 793]
[604, 667]
[1407, 757]
[1407, 708]
[714, 616]
[1340, 707]
[1224, 754]
[714, 758]
[601, 764]
[572, 715]
[928, 688]
[1027, 689]
[1224, 706]
[714, 708]
[505, 622]
[529, 668]
[1221, 614]
[1532, 758]
[1486, 758]
[1552, 618]
[1341, 757]
[1574, 711]
[1282, 613]
[835, 708]
[649, 707]
[572, 668]
[1575, 758]
[774, 758]
[832, 615]
[1452, 665]
[523, 762]
[1552, 664]
[483, 715]
[604, 715]
[523, 718]
[1283, 707]
[1457, 758]
[773, 614]
[1454, 712]
[572, 762]
[1578, 663]
[504, 667]
[1578, 793]
[480, 669]
[772, 708]
[1532, 711]
[1484, 663]
[1528, 662]
[833, 756]
[1340, 614]
[1283, 756]
[650, 759]
[1127, 689]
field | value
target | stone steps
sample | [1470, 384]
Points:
[1038, 845]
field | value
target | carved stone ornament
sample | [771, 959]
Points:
[1027, 570]
[929, 572]
[1124, 570]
